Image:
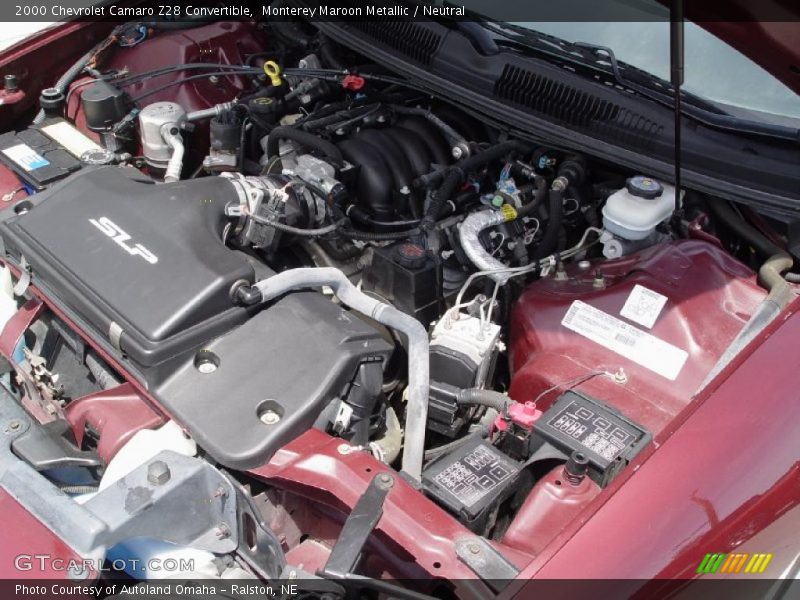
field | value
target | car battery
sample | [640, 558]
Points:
[36, 158]
[472, 481]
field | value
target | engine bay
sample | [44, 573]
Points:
[247, 262]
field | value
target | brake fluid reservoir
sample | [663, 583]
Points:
[633, 212]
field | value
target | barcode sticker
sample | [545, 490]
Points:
[643, 306]
[626, 340]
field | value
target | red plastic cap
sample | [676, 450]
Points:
[353, 83]
[522, 415]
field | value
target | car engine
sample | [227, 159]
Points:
[279, 274]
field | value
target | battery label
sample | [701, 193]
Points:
[474, 476]
[26, 157]
[626, 340]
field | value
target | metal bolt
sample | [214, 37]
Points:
[385, 479]
[457, 152]
[15, 425]
[222, 531]
[10, 83]
[206, 367]
[473, 548]
[220, 492]
[621, 376]
[158, 472]
[584, 265]
[344, 448]
[214, 79]
[270, 417]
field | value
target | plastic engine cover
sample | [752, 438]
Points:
[147, 260]
[663, 316]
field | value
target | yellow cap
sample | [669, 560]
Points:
[509, 212]
[273, 71]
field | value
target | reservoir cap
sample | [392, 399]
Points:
[644, 187]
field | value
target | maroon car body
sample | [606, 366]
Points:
[720, 470]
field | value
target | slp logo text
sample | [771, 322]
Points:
[116, 233]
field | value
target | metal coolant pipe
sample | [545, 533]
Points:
[386, 314]
[469, 234]
[174, 140]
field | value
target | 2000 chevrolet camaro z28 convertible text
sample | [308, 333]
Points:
[399, 308]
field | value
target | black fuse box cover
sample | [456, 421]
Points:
[579, 423]
[472, 480]
[36, 158]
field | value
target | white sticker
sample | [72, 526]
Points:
[626, 340]
[73, 140]
[643, 306]
[26, 157]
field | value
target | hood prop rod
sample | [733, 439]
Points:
[676, 51]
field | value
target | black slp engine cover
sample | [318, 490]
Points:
[143, 260]
[119, 253]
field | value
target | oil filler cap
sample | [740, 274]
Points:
[644, 187]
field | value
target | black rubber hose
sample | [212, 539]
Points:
[555, 210]
[539, 192]
[343, 254]
[452, 181]
[379, 237]
[361, 216]
[481, 397]
[454, 176]
[304, 138]
[725, 213]
[475, 161]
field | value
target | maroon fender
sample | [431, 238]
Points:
[691, 496]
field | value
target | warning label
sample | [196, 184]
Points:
[626, 340]
[643, 306]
